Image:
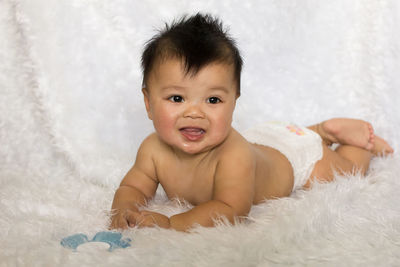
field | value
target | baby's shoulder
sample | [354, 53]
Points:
[236, 146]
[151, 144]
[236, 158]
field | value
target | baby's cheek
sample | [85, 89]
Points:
[222, 126]
[165, 124]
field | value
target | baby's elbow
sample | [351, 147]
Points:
[236, 216]
[243, 212]
[237, 210]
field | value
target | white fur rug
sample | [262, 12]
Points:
[71, 119]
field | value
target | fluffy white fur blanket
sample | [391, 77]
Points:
[71, 119]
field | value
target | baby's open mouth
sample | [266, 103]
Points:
[192, 133]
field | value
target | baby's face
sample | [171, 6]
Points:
[191, 113]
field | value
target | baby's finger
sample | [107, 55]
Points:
[132, 218]
[144, 219]
[122, 223]
[119, 223]
[148, 219]
[146, 212]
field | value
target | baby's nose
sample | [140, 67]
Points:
[193, 111]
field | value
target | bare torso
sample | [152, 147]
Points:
[194, 181]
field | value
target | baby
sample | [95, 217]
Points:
[191, 81]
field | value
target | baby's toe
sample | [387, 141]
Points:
[370, 129]
[369, 146]
[371, 140]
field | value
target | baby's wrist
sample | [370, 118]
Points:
[133, 206]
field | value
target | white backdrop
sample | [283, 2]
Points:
[70, 96]
[74, 68]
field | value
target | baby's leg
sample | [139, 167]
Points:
[344, 131]
[345, 159]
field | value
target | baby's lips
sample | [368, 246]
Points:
[192, 130]
[192, 133]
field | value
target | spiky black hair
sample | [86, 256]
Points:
[198, 41]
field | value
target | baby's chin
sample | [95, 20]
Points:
[203, 146]
[194, 148]
[188, 147]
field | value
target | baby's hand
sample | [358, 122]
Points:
[122, 219]
[149, 219]
[129, 218]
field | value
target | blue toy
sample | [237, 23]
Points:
[111, 238]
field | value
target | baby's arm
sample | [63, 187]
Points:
[136, 188]
[233, 193]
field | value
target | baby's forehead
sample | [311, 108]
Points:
[180, 65]
[174, 73]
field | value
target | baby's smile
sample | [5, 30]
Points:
[192, 133]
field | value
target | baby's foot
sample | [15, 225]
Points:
[381, 147]
[348, 132]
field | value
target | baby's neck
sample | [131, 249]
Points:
[192, 159]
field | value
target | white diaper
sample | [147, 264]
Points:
[301, 146]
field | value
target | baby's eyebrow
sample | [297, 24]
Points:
[173, 87]
[220, 88]
[181, 88]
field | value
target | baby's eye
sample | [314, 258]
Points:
[213, 100]
[176, 98]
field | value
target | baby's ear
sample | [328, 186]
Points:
[147, 102]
